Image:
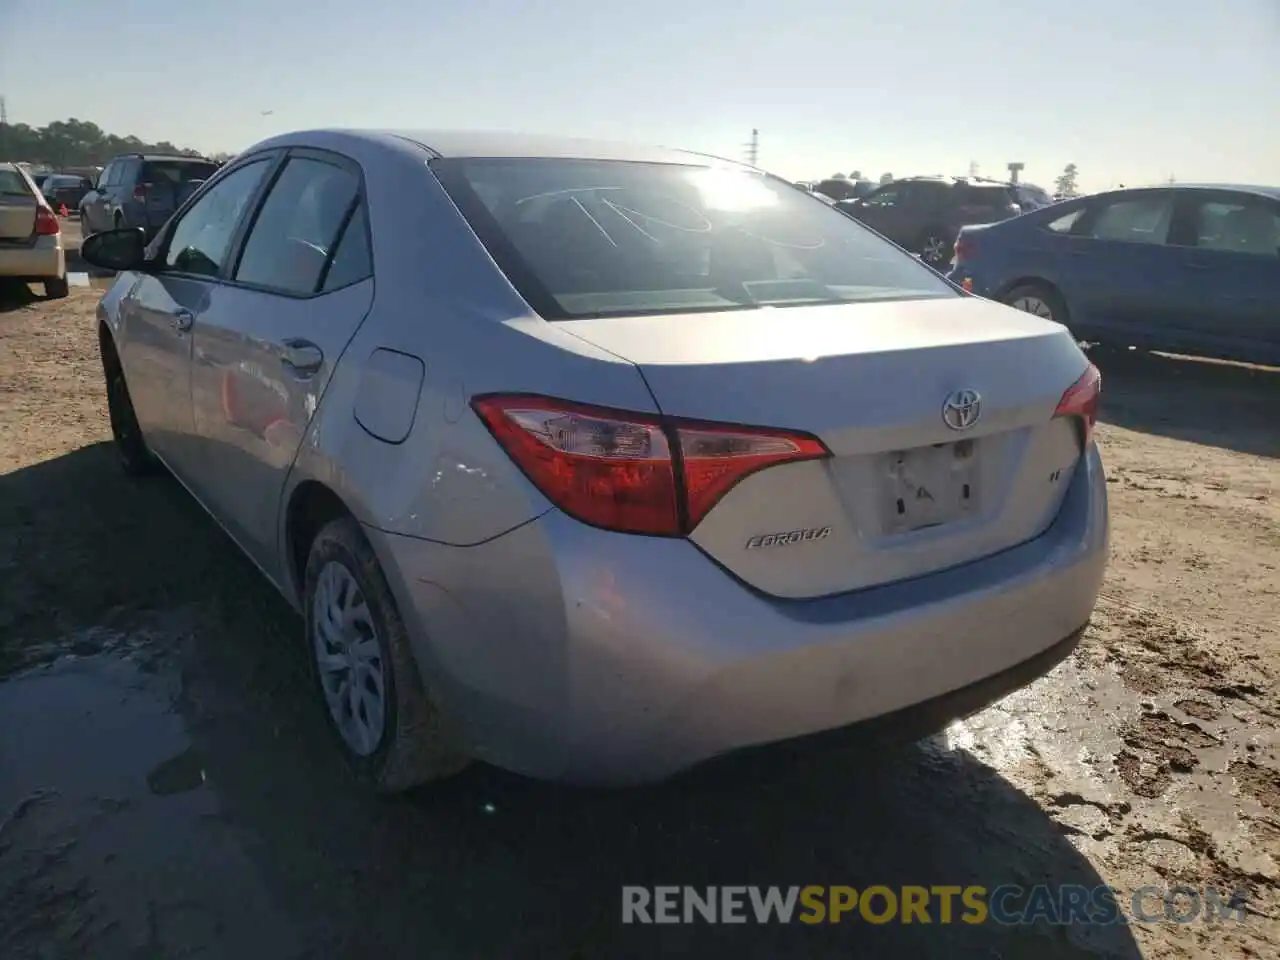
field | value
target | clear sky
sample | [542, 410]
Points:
[1131, 91]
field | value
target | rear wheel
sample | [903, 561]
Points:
[56, 288]
[1039, 299]
[934, 247]
[390, 731]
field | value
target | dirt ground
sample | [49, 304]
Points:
[167, 788]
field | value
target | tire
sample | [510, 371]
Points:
[118, 222]
[56, 288]
[934, 247]
[411, 744]
[131, 447]
[1040, 299]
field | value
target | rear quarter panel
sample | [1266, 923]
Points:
[440, 298]
[1017, 251]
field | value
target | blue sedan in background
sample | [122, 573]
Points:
[1188, 268]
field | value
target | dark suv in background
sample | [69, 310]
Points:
[140, 190]
[924, 214]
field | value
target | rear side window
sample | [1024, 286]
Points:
[1247, 226]
[1064, 224]
[13, 184]
[1138, 220]
[290, 242]
[589, 238]
[127, 171]
[351, 261]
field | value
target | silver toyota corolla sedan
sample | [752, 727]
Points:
[597, 461]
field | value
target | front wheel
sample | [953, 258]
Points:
[389, 729]
[131, 448]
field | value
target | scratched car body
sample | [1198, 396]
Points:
[597, 461]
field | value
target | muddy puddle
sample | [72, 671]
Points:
[170, 791]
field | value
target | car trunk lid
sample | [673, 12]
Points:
[905, 492]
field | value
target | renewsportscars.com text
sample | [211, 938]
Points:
[940, 904]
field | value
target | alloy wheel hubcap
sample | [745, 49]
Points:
[933, 248]
[1033, 305]
[349, 658]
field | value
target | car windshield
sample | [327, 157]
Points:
[586, 238]
[178, 171]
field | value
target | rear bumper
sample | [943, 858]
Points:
[43, 259]
[570, 653]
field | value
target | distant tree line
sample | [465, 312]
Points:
[74, 143]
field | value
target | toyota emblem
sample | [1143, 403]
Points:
[961, 409]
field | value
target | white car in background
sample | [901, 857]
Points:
[30, 236]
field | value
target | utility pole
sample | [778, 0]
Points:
[973, 168]
[753, 148]
[4, 112]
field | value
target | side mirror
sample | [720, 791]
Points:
[123, 249]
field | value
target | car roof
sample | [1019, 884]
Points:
[161, 156]
[493, 144]
[1270, 192]
[1273, 192]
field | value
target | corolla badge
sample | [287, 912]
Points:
[787, 538]
[962, 409]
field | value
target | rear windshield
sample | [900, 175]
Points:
[177, 171]
[987, 195]
[592, 238]
[13, 184]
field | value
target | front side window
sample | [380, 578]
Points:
[105, 178]
[289, 243]
[1139, 220]
[585, 238]
[201, 240]
[1244, 226]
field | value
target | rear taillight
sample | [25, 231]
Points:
[46, 222]
[633, 472]
[140, 192]
[1081, 400]
[965, 248]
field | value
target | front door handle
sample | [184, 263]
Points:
[182, 320]
[301, 356]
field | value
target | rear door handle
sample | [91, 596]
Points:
[182, 320]
[301, 356]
